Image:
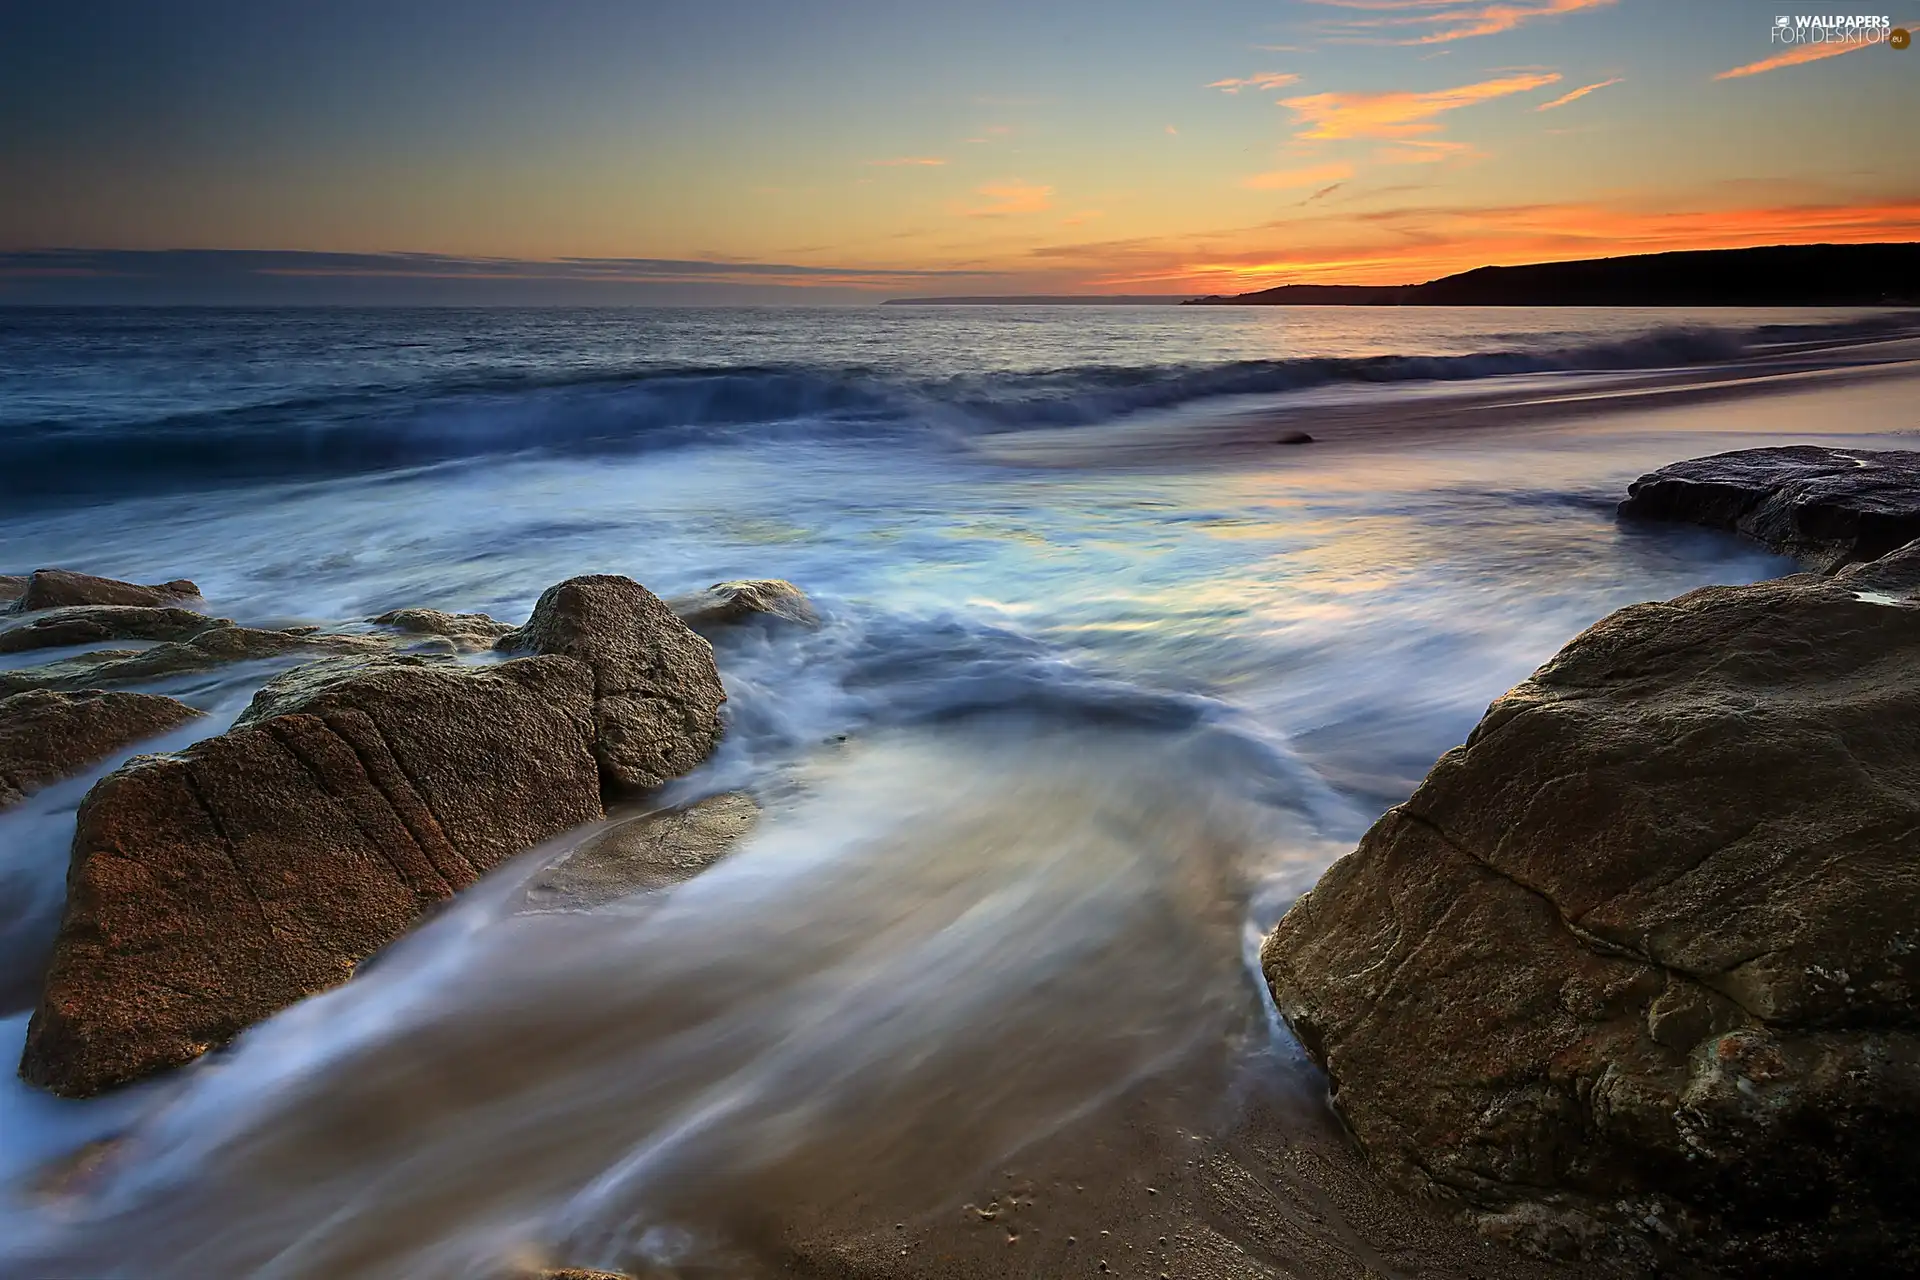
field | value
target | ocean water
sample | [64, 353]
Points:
[1069, 738]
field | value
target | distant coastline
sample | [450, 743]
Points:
[1813, 275]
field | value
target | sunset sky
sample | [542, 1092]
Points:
[744, 150]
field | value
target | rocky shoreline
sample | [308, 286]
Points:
[1632, 976]
[211, 887]
[1628, 983]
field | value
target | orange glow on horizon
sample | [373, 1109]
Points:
[1455, 240]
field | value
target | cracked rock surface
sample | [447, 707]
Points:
[657, 693]
[210, 888]
[1633, 974]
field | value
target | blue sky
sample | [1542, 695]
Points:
[741, 150]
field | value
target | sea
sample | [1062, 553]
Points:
[1077, 726]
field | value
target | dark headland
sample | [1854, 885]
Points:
[1810, 275]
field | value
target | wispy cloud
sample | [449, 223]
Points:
[1795, 56]
[1287, 179]
[1258, 80]
[899, 162]
[1427, 151]
[1398, 113]
[1012, 198]
[1450, 19]
[1577, 94]
[1323, 192]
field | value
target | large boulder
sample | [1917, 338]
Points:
[98, 623]
[657, 694]
[57, 588]
[210, 888]
[12, 587]
[1827, 507]
[1634, 970]
[46, 736]
[729, 604]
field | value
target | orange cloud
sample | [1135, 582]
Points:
[1456, 21]
[1795, 56]
[1577, 94]
[1284, 179]
[1258, 80]
[908, 160]
[1398, 113]
[1011, 198]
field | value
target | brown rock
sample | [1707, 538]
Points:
[213, 647]
[467, 631]
[212, 888]
[46, 736]
[645, 853]
[1634, 971]
[56, 588]
[12, 587]
[657, 694]
[95, 623]
[728, 604]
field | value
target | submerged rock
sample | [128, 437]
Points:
[728, 604]
[1295, 437]
[467, 631]
[1634, 972]
[211, 888]
[56, 588]
[96, 623]
[645, 853]
[1826, 507]
[657, 694]
[210, 648]
[47, 736]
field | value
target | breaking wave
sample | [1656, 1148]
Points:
[372, 428]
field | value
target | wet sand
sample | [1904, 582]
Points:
[1345, 420]
[1133, 1191]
